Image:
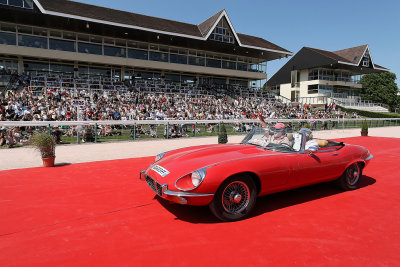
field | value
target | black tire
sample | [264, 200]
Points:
[235, 198]
[351, 177]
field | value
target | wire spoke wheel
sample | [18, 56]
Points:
[235, 197]
[353, 174]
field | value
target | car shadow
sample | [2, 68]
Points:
[264, 204]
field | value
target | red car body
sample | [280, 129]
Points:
[272, 171]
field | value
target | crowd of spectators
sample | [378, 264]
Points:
[58, 104]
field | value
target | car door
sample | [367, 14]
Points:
[321, 165]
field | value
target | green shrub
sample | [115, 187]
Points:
[364, 126]
[222, 136]
[370, 114]
[44, 143]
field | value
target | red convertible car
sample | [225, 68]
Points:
[229, 177]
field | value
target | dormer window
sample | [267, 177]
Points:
[222, 33]
[366, 59]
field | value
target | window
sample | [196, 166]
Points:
[213, 63]
[179, 59]
[138, 54]
[18, 3]
[62, 68]
[222, 33]
[241, 66]
[32, 41]
[157, 56]
[62, 45]
[229, 65]
[366, 59]
[114, 51]
[8, 38]
[197, 61]
[313, 89]
[89, 48]
[8, 27]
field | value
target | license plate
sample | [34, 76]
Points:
[160, 170]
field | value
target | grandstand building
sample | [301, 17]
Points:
[80, 39]
[317, 76]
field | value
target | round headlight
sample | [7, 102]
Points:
[196, 180]
[191, 181]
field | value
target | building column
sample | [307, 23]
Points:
[20, 65]
[76, 66]
[162, 75]
[123, 73]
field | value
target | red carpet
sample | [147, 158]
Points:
[100, 214]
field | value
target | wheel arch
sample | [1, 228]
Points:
[252, 175]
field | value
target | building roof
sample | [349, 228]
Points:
[309, 58]
[98, 14]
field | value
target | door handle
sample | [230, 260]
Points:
[335, 154]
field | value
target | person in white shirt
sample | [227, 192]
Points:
[311, 145]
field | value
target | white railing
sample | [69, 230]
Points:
[181, 122]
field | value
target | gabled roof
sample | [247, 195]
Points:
[119, 18]
[353, 54]
[206, 26]
[309, 58]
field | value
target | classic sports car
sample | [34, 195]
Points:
[229, 177]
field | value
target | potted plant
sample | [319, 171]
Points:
[222, 136]
[364, 128]
[45, 144]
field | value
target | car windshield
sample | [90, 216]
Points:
[271, 138]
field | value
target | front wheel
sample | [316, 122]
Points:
[351, 177]
[234, 199]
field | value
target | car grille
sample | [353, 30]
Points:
[156, 187]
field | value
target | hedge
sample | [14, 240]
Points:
[370, 114]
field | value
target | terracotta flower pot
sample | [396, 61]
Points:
[48, 162]
[364, 133]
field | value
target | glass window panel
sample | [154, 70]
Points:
[40, 32]
[69, 36]
[28, 3]
[8, 27]
[83, 70]
[62, 68]
[242, 66]
[89, 48]
[18, 3]
[99, 72]
[55, 34]
[120, 42]
[153, 47]
[173, 77]
[8, 38]
[35, 66]
[179, 59]
[164, 48]
[109, 41]
[83, 37]
[188, 79]
[132, 44]
[213, 63]
[114, 51]
[62, 45]
[138, 54]
[95, 39]
[197, 61]
[157, 56]
[32, 41]
[4, 2]
[174, 50]
[24, 29]
[228, 65]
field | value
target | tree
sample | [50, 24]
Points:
[381, 88]
[222, 136]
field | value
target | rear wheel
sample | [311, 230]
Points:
[234, 199]
[351, 177]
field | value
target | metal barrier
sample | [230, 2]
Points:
[108, 131]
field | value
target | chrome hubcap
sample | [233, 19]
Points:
[236, 197]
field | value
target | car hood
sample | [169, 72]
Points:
[190, 159]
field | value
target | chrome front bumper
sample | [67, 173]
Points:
[177, 196]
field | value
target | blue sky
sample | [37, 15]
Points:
[292, 24]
